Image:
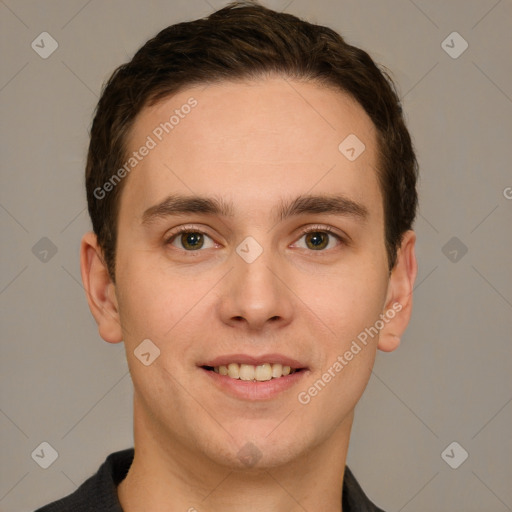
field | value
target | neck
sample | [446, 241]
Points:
[167, 474]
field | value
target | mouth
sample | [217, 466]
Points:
[256, 373]
[254, 378]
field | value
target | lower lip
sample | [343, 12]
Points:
[254, 390]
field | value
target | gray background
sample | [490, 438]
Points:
[450, 379]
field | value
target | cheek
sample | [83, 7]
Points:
[348, 302]
[156, 303]
[147, 304]
[347, 352]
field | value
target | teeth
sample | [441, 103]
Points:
[263, 372]
[246, 372]
[233, 370]
[259, 373]
[277, 370]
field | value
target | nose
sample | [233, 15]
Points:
[256, 295]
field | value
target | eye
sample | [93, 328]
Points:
[319, 238]
[190, 239]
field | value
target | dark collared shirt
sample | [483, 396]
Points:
[99, 493]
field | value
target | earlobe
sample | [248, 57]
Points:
[99, 289]
[398, 307]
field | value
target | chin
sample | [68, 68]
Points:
[257, 451]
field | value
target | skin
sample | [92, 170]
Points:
[254, 144]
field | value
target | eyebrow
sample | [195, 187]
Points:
[216, 206]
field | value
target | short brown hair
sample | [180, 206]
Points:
[245, 40]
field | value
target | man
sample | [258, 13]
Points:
[251, 185]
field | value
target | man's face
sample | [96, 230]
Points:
[251, 286]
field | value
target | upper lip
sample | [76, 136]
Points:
[254, 360]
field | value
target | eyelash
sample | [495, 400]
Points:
[311, 229]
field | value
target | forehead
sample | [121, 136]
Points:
[253, 141]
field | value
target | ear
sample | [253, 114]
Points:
[398, 306]
[100, 290]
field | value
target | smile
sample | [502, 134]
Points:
[254, 377]
[260, 373]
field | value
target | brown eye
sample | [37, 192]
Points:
[317, 240]
[190, 240]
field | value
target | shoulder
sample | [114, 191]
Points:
[353, 498]
[99, 492]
